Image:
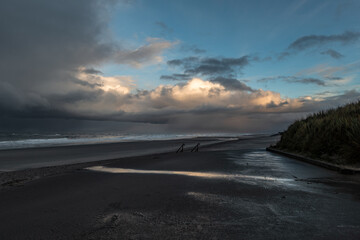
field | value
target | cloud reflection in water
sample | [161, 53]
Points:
[229, 176]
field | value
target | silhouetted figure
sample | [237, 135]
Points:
[196, 148]
[181, 148]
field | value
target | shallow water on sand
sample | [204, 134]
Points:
[229, 176]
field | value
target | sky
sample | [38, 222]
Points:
[137, 66]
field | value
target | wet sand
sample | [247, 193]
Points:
[18, 159]
[233, 190]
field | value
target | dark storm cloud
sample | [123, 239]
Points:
[305, 42]
[210, 66]
[294, 79]
[232, 84]
[76, 96]
[44, 46]
[43, 41]
[332, 53]
[46, 50]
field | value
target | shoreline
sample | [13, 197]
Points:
[88, 144]
[335, 167]
[25, 158]
[19, 177]
[19, 159]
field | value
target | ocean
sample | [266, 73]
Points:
[34, 140]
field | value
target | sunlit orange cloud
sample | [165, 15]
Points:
[117, 95]
[197, 93]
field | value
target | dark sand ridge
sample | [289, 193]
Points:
[295, 200]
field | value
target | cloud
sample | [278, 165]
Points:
[195, 96]
[199, 94]
[110, 98]
[48, 75]
[192, 48]
[86, 83]
[332, 73]
[274, 105]
[176, 77]
[165, 28]
[185, 62]
[200, 105]
[147, 54]
[309, 41]
[48, 67]
[232, 84]
[91, 71]
[283, 55]
[332, 53]
[196, 66]
[221, 70]
[43, 63]
[197, 105]
[295, 79]
[41, 57]
[34, 49]
[307, 81]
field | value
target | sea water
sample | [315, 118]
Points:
[32, 140]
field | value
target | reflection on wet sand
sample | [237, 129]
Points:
[187, 173]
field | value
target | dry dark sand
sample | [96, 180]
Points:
[246, 193]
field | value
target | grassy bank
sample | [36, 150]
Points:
[332, 136]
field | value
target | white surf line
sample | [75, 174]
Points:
[186, 173]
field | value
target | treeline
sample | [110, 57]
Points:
[332, 135]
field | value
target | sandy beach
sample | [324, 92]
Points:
[228, 190]
[213, 120]
[26, 158]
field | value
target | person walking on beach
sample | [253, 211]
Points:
[196, 148]
[181, 148]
